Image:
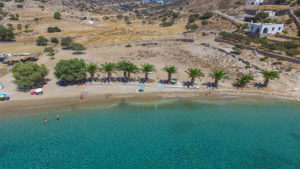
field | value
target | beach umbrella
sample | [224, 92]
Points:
[38, 90]
[142, 87]
[3, 95]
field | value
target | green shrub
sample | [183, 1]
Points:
[71, 71]
[77, 47]
[207, 15]
[239, 46]
[289, 21]
[29, 75]
[292, 52]
[49, 49]
[205, 22]
[167, 23]
[19, 26]
[28, 30]
[19, 6]
[238, 3]
[6, 34]
[290, 44]
[247, 66]
[128, 46]
[119, 16]
[41, 41]
[66, 42]
[53, 29]
[193, 18]
[54, 40]
[260, 16]
[57, 15]
[263, 59]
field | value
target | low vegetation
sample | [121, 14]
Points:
[71, 71]
[289, 47]
[66, 42]
[29, 75]
[53, 29]
[6, 34]
[42, 41]
[57, 15]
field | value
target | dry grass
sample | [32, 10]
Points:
[270, 7]
[19, 48]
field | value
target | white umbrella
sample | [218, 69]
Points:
[91, 22]
[38, 90]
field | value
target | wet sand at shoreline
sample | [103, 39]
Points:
[36, 105]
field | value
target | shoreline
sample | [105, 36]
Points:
[25, 106]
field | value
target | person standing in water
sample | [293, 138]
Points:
[45, 120]
[57, 117]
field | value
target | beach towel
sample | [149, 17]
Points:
[160, 85]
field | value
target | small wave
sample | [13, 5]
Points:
[229, 97]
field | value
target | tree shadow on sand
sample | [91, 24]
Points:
[208, 84]
[258, 85]
[78, 53]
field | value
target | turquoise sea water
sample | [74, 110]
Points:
[175, 134]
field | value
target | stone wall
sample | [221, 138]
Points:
[292, 15]
[262, 52]
[287, 37]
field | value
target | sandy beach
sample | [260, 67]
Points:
[63, 98]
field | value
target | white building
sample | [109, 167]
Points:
[271, 13]
[261, 29]
[91, 22]
[255, 2]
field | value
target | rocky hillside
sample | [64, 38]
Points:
[111, 6]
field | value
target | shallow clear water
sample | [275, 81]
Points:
[175, 134]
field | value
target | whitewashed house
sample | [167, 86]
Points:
[271, 13]
[263, 29]
[255, 2]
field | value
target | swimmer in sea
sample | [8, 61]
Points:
[57, 117]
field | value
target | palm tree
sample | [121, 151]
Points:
[92, 69]
[218, 75]
[193, 74]
[270, 75]
[170, 69]
[131, 68]
[244, 79]
[147, 68]
[127, 68]
[122, 66]
[108, 68]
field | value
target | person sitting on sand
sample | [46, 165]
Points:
[57, 117]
